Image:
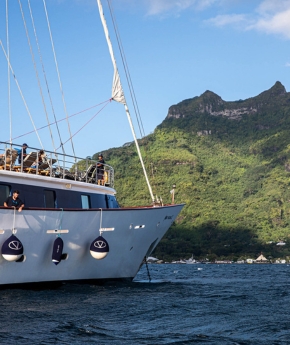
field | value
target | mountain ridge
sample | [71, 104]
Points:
[213, 104]
[232, 171]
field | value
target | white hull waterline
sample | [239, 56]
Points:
[134, 233]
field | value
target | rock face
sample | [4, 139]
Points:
[212, 104]
[204, 132]
[234, 114]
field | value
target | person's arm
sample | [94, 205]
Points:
[21, 205]
[6, 202]
[20, 208]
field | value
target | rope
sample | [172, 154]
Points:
[101, 220]
[58, 75]
[60, 222]
[13, 227]
[21, 94]
[148, 273]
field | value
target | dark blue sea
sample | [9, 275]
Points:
[228, 304]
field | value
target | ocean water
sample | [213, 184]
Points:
[227, 304]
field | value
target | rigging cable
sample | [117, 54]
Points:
[118, 94]
[8, 76]
[37, 76]
[128, 76]
[85, 124]
[20, 91]
[127, 72]
[33, 60]
[45, 78]
[59, 80]
[55, 122]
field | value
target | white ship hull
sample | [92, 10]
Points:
[136, 231]
[66, 196]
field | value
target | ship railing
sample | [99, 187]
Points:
[54, 164]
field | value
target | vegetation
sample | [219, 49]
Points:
[230, 162]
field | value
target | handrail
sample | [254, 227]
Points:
[54, 164]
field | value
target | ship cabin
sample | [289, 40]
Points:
[55, 180]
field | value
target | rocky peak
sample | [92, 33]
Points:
[209, 96]
[213, 104]
[276, 90]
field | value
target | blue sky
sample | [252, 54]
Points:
[175, 50]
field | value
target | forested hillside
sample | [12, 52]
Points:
[230, 162]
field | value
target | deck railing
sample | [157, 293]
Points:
[54, 164]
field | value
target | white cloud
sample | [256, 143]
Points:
[270, 17]
[228, 19]
[270, 6]
[157, 7]
[287, 64]
[277, 23]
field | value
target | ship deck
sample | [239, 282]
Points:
[55, 165]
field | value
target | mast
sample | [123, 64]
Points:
[118, 93]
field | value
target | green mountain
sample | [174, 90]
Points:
[230, 162]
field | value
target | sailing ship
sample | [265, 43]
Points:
[72, 227]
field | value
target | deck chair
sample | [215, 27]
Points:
[9, 158]
[30, 170]
[29, 159]
[46, 164]
[59, 173]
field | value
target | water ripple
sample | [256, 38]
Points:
[218, 305]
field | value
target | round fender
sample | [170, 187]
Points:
[99, 248]
[12, 249]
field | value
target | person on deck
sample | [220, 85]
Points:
[14, 201]
[100, 169]
[41, 159]
[22, 153]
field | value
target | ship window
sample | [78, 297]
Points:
[111, 201]
[4, 193]
[49, 199]
[86, 202]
